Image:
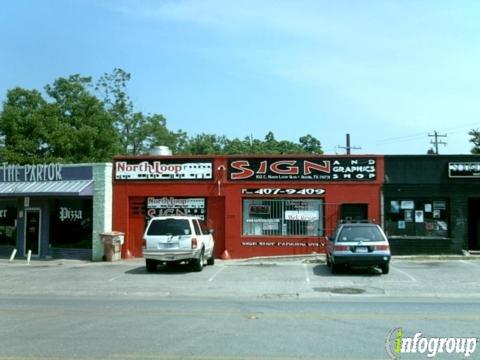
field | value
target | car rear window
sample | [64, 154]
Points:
[169, 227]
[360, 233]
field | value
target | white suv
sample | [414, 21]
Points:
[175, 239]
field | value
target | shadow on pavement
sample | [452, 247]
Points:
[325, 271]
[169, 269]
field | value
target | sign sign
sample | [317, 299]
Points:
[282, 191]
[163, 170]
[170, 206]
[301, 215]
[30, 173]
[464, 169]
[69, 214]
[331, 169]
[253, 243]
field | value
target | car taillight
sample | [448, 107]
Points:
[382, 247]
[194, 243]
[144, 243]
[341, 248]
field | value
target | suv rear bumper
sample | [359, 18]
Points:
[174, 255]
[364, 260]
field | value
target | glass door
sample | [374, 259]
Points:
[32, 231]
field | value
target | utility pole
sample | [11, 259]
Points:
[437, 142]
[347, 147]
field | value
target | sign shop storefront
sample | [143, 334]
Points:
[47, 210]
[256, 206]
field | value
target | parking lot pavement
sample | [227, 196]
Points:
[260, 278]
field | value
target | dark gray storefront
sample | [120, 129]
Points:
[432, 203]
[54, 210]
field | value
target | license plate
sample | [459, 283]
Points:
[362, 249]
[169, 245]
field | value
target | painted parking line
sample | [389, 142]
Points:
[470, 262]
[216, 273]
[115, 278]
[403, 273]
[307, 276]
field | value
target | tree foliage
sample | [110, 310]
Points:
[475, 140]
[138, 132]
[205, 144]
[72, 127]
[76, 120]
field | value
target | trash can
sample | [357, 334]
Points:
[112, 245]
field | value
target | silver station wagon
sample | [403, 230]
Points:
[358, 245]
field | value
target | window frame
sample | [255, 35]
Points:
[403, 221]
[285, 226]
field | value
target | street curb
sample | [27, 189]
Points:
[321, 258]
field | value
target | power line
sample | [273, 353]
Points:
[450, 130]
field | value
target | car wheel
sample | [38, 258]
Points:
[385, 268]
[334, 268]
[198, 263]
[151, 265]
[211, 259]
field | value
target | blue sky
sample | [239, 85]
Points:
[387, 72]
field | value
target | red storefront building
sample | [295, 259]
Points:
[256, 205]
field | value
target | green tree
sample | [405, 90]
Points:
[205, 144]
[26, 125]
[85, 130]
[72, 126]
[310, 144]
[138, 132]
[475, 140]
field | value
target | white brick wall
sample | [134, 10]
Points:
[102, 206]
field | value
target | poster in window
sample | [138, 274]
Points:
[270, 226]
[259, 210]
[394, 207]
[408, 215]
[402, 225]
[428, 208]
[436, 214]
[439, 205]
[407, 205]
[419, 216]
[442, 225]
[301, 215]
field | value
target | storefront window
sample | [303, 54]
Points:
[283, 217]
[8, 223]
[71, 224]
[417, 217]
[171, 206]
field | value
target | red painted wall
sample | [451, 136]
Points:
[224, 207]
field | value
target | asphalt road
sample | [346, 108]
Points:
[233, 310]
